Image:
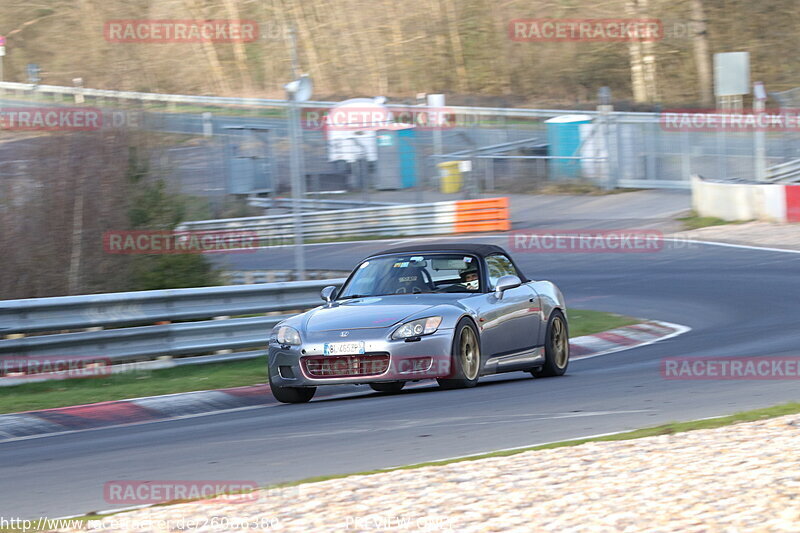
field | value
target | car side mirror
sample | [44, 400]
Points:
[505, 283]
[328, 293]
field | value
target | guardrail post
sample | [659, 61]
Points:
[208, 124]
[78, 91]
[222, 352]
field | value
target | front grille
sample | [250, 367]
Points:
[344, 366]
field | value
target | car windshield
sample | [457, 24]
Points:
[414, 274]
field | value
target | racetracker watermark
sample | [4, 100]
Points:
[706, 120]
[155, 242]
[560, 30]
[422, 366]
[146, 492]
[624, 241]
[54, 366]
[726, 368]
[51, 119]
[152, 31]
[376, 118]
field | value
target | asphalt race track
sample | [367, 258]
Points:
[738, 302]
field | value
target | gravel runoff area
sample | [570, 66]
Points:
[743, 477]
[771, 235]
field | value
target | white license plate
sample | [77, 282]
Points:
[344, 348]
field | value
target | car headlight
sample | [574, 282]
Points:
[416, 328]
[286, 335]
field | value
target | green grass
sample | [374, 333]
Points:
[32, 396]
[665, 429]
[576, 188]
[45, 395]
[694, 221]
[586, 322]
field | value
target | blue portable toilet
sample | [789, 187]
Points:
[408, 157]
[564, 137]
[397, 158]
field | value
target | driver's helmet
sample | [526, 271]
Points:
[470, 279]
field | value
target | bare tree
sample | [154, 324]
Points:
[643, 58]
[702, 56]
[75, 188]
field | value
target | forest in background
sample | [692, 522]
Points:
[398, 49]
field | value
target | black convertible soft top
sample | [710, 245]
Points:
[481, 250]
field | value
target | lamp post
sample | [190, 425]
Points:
[759, 139]
[297, 91]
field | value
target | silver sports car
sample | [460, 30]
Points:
[447, 312]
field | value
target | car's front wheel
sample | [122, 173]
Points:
[556, 348]
[465, 362]
[392, 386]
[291, 394]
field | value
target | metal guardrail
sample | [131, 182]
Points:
[247, 277]
[203, 338]
[432, 218]
[788, 172]
[147, 307]
[153, 97]
[27, 88]
[148, 342]
[312, 203]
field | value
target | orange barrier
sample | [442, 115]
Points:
[488, 214]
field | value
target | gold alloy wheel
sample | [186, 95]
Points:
[470, 353]
[558, 340]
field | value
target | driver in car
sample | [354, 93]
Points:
[469, 279]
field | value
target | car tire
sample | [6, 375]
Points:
[556, 348]
[291, 394]
[390, 387]
[465, 361]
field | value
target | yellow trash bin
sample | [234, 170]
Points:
[450, 176]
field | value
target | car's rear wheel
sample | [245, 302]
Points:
[556, 348]
[392, 386]
[465, 362]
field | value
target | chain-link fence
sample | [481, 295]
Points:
[242, 148]
[506, 155]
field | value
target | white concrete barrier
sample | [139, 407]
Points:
[746, 201]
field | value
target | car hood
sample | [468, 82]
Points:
[368, 312]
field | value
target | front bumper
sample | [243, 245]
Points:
[384, 360]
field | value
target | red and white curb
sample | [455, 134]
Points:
[623, 338]
[121, 412]
[32, 424]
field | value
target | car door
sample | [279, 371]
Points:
[509, 324]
